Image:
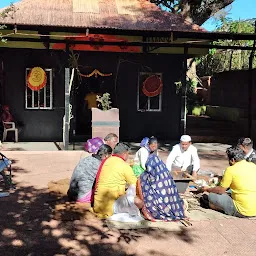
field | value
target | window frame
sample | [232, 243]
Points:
[49, 80]
[138, 93]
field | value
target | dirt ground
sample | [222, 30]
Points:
[28, 227]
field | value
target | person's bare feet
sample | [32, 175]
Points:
[138, 202]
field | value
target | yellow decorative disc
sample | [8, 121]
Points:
[36, 79]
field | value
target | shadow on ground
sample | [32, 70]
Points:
[28, 227]
[212, 156]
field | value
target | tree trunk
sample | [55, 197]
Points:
[199, 11]
[196, 11]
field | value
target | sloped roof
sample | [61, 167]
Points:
[112, 14]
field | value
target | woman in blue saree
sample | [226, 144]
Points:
[148, 147]
[158, 191]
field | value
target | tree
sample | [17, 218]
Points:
[225, 60]
[4, 14]
[196, 11]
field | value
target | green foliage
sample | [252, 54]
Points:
[212, 51]
[5, 14]
[224, 60]
[198, 110]
[104, 101]
[7, 11]
[191, 87]
[2, 40]
[194, 102]
[192, 98]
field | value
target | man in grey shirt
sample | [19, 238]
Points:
[246, 144]
[84, 175]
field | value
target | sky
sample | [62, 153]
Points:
[240, 9]
[4, 3]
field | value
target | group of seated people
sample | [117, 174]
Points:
[112, 186]
[236, 194]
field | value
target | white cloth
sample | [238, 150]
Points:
[124, 208]
[125, 217]
[125, 203]
[141, 157]
[182, 159]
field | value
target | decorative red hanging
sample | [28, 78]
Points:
[152, 86]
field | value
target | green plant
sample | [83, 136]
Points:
[178, 86]
[7, 11]
[2, 40]
[104, 100]
[198, 110]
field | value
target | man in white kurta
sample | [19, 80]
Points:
[184, 157]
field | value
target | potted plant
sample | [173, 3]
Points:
[105, 119]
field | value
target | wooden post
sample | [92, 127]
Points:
[183, 123]
[250, 89]
[67, 113]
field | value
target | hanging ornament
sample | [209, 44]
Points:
[96, 73]
[152, 86]
[36, 79]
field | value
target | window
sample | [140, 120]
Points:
[41, 99]
[145, 103]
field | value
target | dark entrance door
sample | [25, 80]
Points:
[86, 94]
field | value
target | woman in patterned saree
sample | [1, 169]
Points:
[158, 191]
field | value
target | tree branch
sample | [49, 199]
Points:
[196, 11]
[199, 11]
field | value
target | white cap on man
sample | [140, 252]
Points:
[185, 138]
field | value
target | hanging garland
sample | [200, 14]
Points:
[152, 86]
[36, 79]
[96, 73]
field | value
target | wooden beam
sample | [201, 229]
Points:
[212, 36]
[147, 44]
[251, 89]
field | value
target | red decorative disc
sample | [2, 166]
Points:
[152, 86]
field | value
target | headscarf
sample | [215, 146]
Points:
[93, 145]
[159, 192]
[144, 142]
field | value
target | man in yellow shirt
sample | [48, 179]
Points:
[240, 177]
[111, 181]
[91, 100]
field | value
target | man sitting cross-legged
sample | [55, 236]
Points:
[240, 177]
[184, 157]
[111, 181]
[83, 177]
